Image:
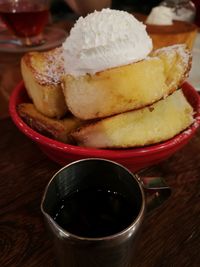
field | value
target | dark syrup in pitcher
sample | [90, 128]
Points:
[95, 213]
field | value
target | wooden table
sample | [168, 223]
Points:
[171, 234]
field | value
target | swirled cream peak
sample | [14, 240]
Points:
[160, 15]
[105, 39]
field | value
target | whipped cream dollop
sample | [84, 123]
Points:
[160, 15]
[105, 39]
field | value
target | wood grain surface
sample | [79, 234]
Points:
[171, 234]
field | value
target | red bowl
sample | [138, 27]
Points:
[134, 158]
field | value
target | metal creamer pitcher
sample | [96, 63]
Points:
[115, 250]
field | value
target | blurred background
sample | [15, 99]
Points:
[60, 8]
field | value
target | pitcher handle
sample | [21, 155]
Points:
[156, 189]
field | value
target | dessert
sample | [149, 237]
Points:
[165, 30]
[127, 87]
[180, 32]
[58, 129]
[149, 125]
[41, 72]
[108, 67]
[119, 92]
[160, 15]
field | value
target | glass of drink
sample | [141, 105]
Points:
[25, 19]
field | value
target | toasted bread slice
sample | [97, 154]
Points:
[41, 72]
[177, 62]
[128, 87]
[153, 124]
[53, 128]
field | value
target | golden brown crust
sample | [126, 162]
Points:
[127, 87]
[41, 72]
[47, 67]
[53, 128]
[177, 61]
[150, 125]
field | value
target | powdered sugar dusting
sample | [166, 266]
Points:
[182, 63]
[180, 49]
[53, 68]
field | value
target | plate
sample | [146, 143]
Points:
[194, 77]
[53, 36]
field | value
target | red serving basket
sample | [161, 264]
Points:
[133, 158]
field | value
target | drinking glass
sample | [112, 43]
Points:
[25, 19]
